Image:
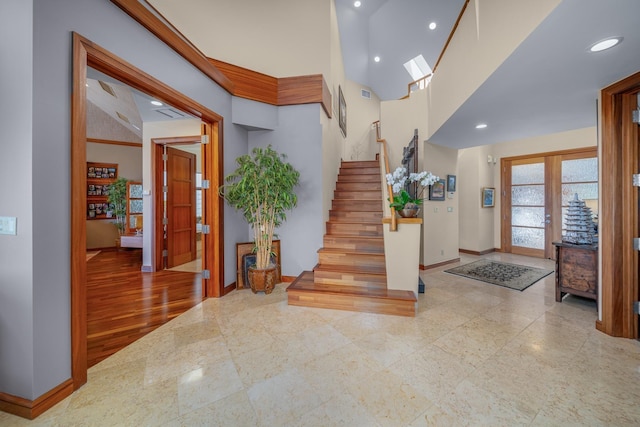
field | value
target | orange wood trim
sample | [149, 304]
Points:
[389, 220]
[592, 150]
[249, 84]
[260, 87]
[300, 90]
[178, 140]
[86, 53]
[227, 289]
[157, 24]
[619, 213]
[440, 264]
[480, 253]
[101, 59]
[288, 279]
[236, 80]
[31, 409]
[78, 214]
[387, 170]
[108, 141]
[158, 211]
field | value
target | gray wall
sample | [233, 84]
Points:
[35, 344]
[299, 136]
[16, 260]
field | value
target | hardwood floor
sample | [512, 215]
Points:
[124, 304]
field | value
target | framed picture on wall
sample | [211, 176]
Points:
[488, 197]
[436, 191]
[451, 183]
[342, 112]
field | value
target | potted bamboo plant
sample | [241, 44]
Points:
[117, 200]
[262, 187]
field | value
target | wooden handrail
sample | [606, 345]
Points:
[394, 223]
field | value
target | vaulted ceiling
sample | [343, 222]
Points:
[550, 83]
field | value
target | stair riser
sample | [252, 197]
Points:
[361, 164]
[358, 178]
[352, 244]
[358, 186]
[350, 259]
[357, 171]
[352, 303]
[350, 279]
[357, 195]
[348, 229]
[344, 216]
[357, 205]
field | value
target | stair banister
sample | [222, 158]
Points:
[393, 226]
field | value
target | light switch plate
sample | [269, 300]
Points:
[8, 225]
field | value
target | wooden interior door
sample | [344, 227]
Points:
[181, 207]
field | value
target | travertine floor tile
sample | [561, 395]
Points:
[475, 355]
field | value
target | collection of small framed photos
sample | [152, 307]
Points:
[99, 177]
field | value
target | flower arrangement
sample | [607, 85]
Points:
[401, 197]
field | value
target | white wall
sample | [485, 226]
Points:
[487, 34]
[296, 42]
[360, 143]
[440, 227]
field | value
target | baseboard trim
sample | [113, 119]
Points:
[288, 279]
[30, 409]
[229, 288]
[440, 264]
[486, 251]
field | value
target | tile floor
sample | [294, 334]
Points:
[476, 354]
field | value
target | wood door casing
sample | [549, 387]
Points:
[181, 207]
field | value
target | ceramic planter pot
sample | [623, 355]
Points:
[262, 280]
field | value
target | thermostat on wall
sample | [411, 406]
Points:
[8, 225]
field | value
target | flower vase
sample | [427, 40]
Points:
[409, 211]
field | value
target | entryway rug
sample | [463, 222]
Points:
[513, 276]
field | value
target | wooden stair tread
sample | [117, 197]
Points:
[361, 269]
[349, 251]
[305, 282]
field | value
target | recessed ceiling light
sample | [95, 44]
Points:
[158, 103]
[357, 4]
[481, 126]
[377, 59]
[605, 44]
[433, 26]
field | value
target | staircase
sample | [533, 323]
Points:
[351, 273]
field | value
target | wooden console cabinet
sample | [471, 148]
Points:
[576, 270]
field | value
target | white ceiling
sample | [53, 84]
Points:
[549, 84]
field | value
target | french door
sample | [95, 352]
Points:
[535, 197]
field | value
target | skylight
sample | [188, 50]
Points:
[417, 67]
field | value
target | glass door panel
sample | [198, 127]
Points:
[528, 208]
[579, 176]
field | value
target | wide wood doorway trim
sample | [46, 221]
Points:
[87, 54]
[619, 209]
